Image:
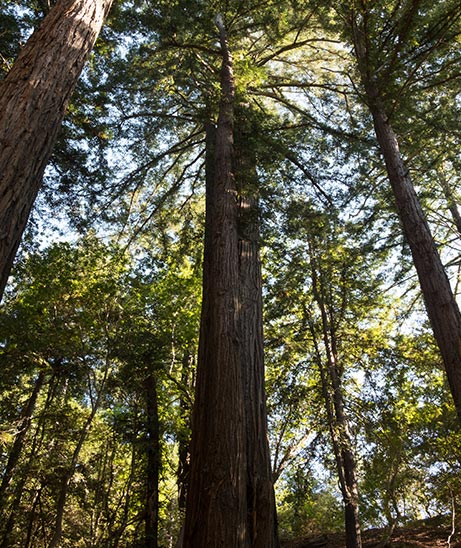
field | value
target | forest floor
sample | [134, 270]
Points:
[417, 536]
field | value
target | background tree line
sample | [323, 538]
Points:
[323, 139]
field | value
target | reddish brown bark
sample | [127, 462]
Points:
[33, 100]
[216, 510]
[261, 510]
[441, 305]
[230, 498]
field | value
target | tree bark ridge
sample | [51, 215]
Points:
[33, 100]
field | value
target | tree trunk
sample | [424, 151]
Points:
[442, 308]
[153, 462]
[261, 510]
[344, 457]
[8, 524]
[184, 436]
[441, 305]
[23, 428]
[231, 498]
[451, 201]
[33, 100]
[64, 488]
[216, 509]
[69, 473]
[332, 391]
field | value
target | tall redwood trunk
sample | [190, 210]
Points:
[231, 499]
[216, 509]
[33, 100]
[261, 510]
[441, 305]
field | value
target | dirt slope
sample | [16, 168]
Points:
[422, 536]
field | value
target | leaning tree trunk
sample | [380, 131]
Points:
[441, 305]
[33, 100]
[442, 308]
[216, 509]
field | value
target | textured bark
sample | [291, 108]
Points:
[216, 510]
[231, 498]
[153, 463]
[261, 510]
[33, 100]
[441, 305]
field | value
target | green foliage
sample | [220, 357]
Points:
[98, 330]
[99, 319]
[306, 508]
[410, 435]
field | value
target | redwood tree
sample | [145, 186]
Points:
[216, 510]
[33, 100]
[230, 497]
[261, 518]
[390, 66]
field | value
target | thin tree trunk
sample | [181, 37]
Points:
[23, 428]
[344, 457]
[153, 462]
[19, 487]
[451, 202]
[61, 503]
[69, 473]
[33, 100]
[114, 534]
[30, 526]
[338, 421]
[184, 438]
